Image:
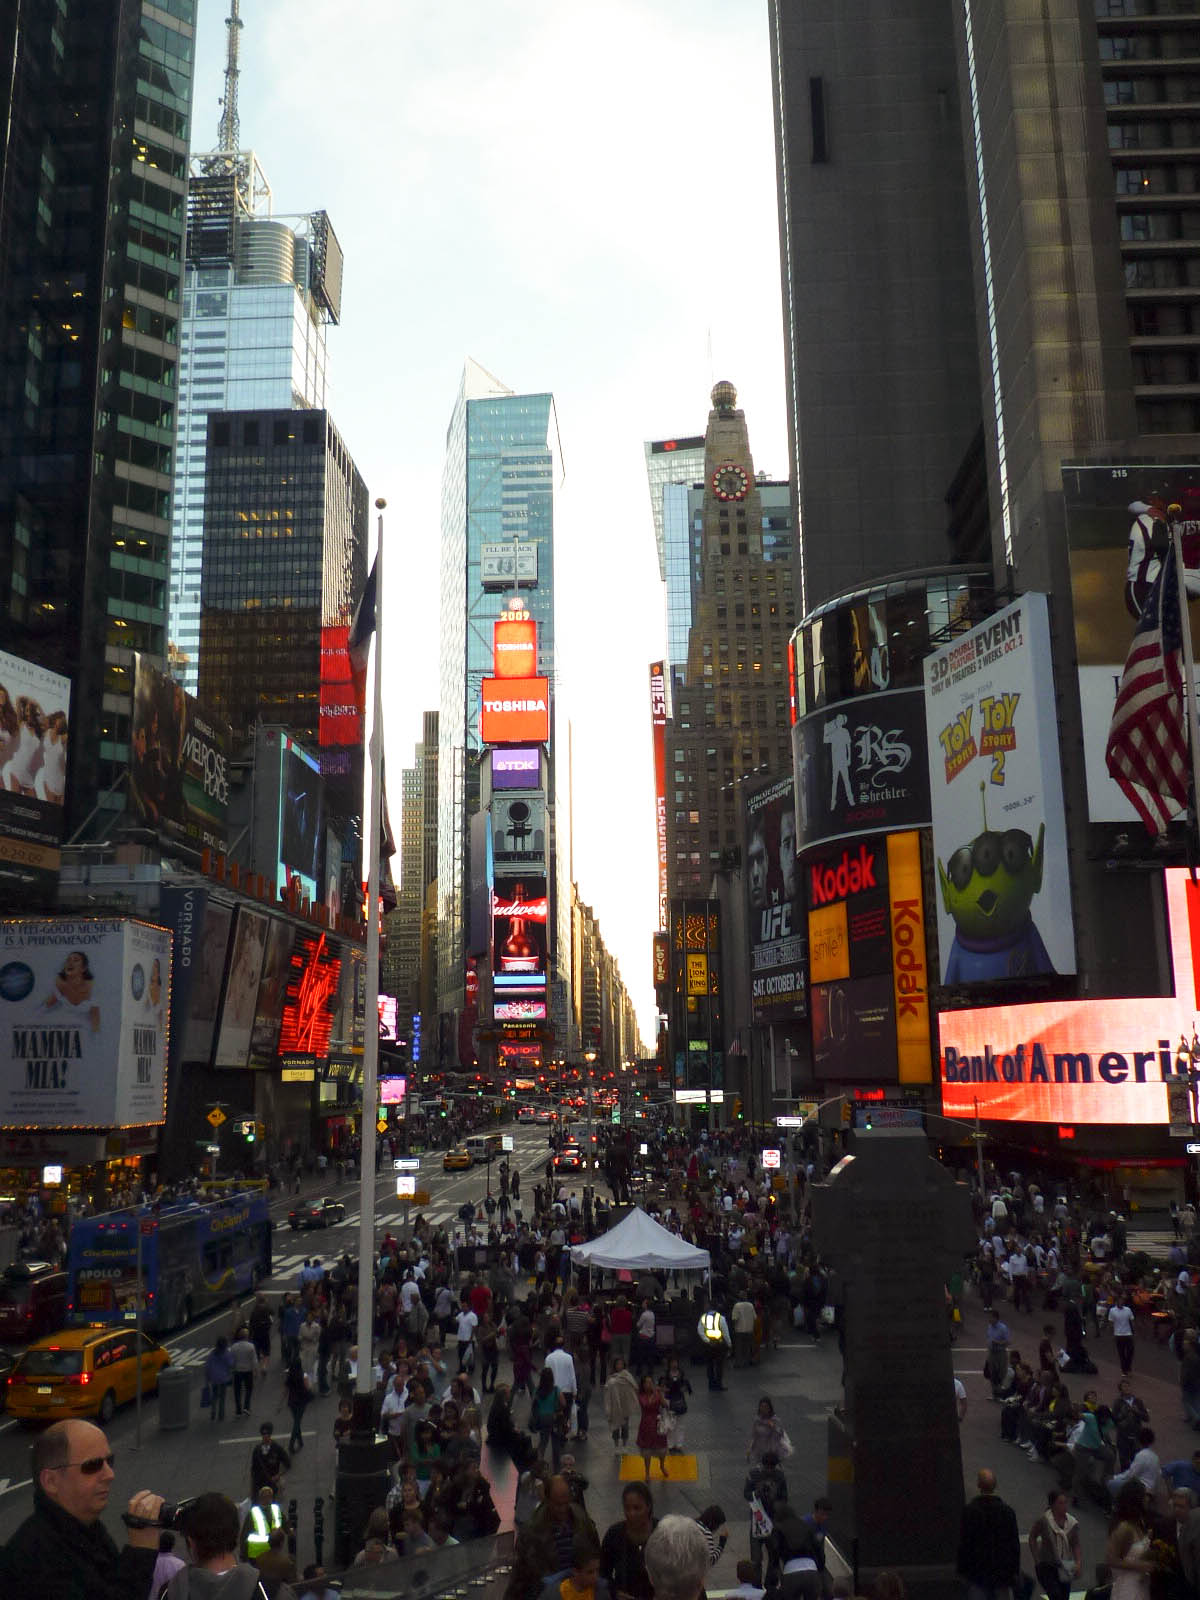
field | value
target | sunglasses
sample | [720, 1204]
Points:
[1012, 850]
[88, 1468]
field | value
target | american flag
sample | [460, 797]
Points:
[1147, 750]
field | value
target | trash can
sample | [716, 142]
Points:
[174, 1398]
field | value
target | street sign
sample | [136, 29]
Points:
[406, 1187]
[1192, 1149]
[382, 1125]
[406, 1164]
[770, 1159]
[616, 1114]
[213, 1149]
[216, 1117]
[506, 1141]
[790, 1122]
[644, 1150]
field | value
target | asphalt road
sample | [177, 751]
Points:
[177, 1463]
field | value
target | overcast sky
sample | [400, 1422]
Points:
[581, 196]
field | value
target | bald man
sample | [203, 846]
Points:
[64, 1541]
[989, 1544]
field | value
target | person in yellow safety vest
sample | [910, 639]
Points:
[263, 1518]
[715, 1341]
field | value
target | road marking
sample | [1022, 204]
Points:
[7, 1488]
[254, 1438]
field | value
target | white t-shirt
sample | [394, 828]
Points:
[1121, 1321]
[467, 1323]
[409, 1295]
[563, 1368]
[960, 1389]
[391, 1412]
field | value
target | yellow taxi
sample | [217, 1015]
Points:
[458, 1159]
[82, 1372]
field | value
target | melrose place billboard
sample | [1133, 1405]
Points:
[995, 785]
[1077, 1061]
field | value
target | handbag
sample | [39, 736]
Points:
[206, 1395]
[664, 1422]
[761, 1526]
[786, 1447]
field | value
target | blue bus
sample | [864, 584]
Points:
[194, 1256]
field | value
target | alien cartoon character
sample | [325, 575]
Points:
[987, 887]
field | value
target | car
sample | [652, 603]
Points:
[7, 1362]
[526, 1114]
[33, 1300]
[318, 1213]
[569, 1159]
[545, 1115]
[82, 1372]
[457, 1159]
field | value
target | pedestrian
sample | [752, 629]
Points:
[218, 1374]
[676, 1559]
[766, 1490]
[713, 1526]
[259, 1324]
[1145, 1468]
[653, 1424]
[1055, 1547]
[620, 1403]
[1128, 1549]
[244, 1358]
[989, 1545]
[768, 1436]
[546, 1418]
[716, 1342]
[268, 1460]
[1129, 1416]
[297, 1394]
[1120, 1320]
[622, 1550]
[997, 1354]
[676, 1388]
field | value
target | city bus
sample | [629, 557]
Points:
[194, 1256]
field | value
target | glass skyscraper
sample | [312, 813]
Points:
[502, 464]
[95, 102]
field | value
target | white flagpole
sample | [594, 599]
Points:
[370, 1083]
[1189, 665]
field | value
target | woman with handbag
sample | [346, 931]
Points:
[676, 1388]
[620, 1402]
[1055, 1547]
[654, 1424]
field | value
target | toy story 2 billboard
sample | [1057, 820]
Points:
[999, 835]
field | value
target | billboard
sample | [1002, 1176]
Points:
[517, 768]
[391, 1090]
[514, 647]
[518, 824]
[340, 719]
[519, 947]
[1118, 521]
[995, 785]
[206, 987]
[860, 767]
[178, 763]
[502, 564]
[241, 989]
[388, 1017]
[310, 999]
[658, 728]
[1077, 1061]
[268, 1009]
[515, 711]
[519, 1010]
[84, 1007]
[301, 795]
[35, 712]
[777, 930]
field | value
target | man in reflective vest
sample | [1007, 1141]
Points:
[713, 1332]
[262, 1520]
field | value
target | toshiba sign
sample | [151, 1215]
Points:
[514, 647]
[515, 711]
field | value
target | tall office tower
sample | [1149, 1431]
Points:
[285, 561]
[673, 467]
[879, 330]
[259, 292]
[401, 971]
[95, 102]
[502, 463]
[729, 711]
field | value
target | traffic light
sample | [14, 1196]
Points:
[737, 1108]
[248, 1130]
[847, 1113]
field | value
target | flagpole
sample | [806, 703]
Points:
[370, 1091]
[1189, 666]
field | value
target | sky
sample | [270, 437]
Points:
[580, 196]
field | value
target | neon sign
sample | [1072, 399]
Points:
[310, 998]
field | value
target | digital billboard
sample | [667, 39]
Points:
[860, 767]
[268, 1009]
[388, 1009]
[1119, 520]
[658, 730]
[84, 1007]
[995, 783]
[514, 647]
[519, 946]
[517, 768]
[178, 763]
[241, 989]
[519, 1010]
[206, 987]
[392, 1090]
[340, 721]
[518, 823]
[310, 999]
[777, 931]
[301, 796]
[35, 712]
[515, 711]
[1077, 1061]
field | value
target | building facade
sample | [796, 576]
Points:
[93, 174]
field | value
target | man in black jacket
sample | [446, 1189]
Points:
[63, 1551]
[989, 1544]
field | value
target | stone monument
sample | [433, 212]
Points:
[893, 1225]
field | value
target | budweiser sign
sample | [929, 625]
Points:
[533, 910]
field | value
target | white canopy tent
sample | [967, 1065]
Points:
[638, 1242]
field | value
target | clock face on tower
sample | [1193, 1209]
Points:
[730, 482]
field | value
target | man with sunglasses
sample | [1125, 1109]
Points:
[64, 1542]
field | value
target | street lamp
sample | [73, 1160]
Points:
[590, 1057]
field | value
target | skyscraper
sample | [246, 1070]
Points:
[95, 102]
[673, 467]
[502, 464]
[879, 329]
[728, 712]
[401, 972]
[259, 292]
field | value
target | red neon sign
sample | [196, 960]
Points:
[310, 997]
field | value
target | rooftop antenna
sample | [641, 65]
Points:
[229, 128]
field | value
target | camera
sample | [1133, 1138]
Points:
[170, 1516]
